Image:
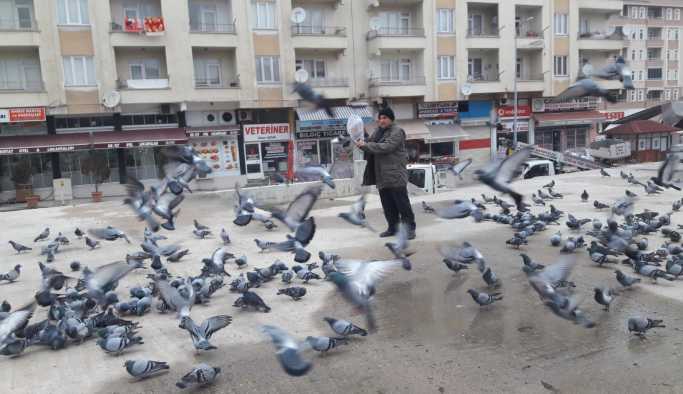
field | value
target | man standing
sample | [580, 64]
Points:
[386, 156]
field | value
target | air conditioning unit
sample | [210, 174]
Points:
[227, 117]
[211, 118]
[245, 115]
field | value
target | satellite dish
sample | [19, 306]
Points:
[587, 70]
[301, 75]
[375, 23]
[466, 89]
[111, 99]
[298, 15]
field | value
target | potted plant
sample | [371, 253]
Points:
[96, 166]
[21, 176]
[32, 201]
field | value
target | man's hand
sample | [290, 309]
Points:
[360, 143]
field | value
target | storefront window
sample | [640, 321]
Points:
[544, 139]
[442, 149]
[307, 153]
[325, 152]
[220, 153]
[41, 170]
[144, 163]
[274, 156]
[343, 162]
[70, 164]
[643, 142]
[576, 139]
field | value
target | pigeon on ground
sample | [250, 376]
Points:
[553, 194]
[318, 100]
[459, 168]
[537, 200]
[324, 344]
[19, 247]
[356, 215]
[569, 310]
[584, 196]
[287, 351]
[604, 296]
[175, 257]
[455, 266]
[201, 234]
[498, 175]
[458, 210]
[216, 264]
[484, 299]
[225, 237]
[15, 322]
[117, 344]
[344, 328]
[201, 334]
[604, 173]
[295, 292]
[399, 247]
[630, 194]
[249, 299]
[427, 208]
[640, 325]
[108, 233]
[43, 235]
[490, 278]
[556, 239]
[549, 185]
[201, 376]
[142, 369]
[598, 205]
[529, 266]
[304, 273]
[179, 299]
[91, 243]
[465, 253]
[666, 172]
[199, 226]
[79, 234]
[11, 275]
[584, 88]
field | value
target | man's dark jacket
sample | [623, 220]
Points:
[387, 158]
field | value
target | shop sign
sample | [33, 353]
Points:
[46, 149]
[546, 104]
[266, 132]
[144, 144]
[320, 131]
[277, 150]
[522, 125]
[439, 109]
[508, 111]
[612, 116]
[16, 115]
[195, 132]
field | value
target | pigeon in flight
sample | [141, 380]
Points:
[308, 94]
[188, 155]
[466, 254]
[569, 310]
[356, 215]
[666, 172]
[201, 376]
[459, 168]
[140, 201]
[287, 351]
[201, 334]
[543, 282]
[616, 70]
[299, 209]
[398, 248]
[105, 279]
[584, 88]
[317, 171]
[108, 233]
[142, 369]
[458, 210]
[498, 175]
[179, 299]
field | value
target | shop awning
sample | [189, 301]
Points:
[415, 129]
[568, 118]
[645, 114]
[340, 113]
[213, 131]
[636, 127]
[138, 138]
[44, 143]
[445, 133]
[98, 140]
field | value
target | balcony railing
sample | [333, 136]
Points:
[310, 30]
[654, 42]
[223, 28]
[616, 36]
[21, 86]
[490, 32]
[329, 82]
[396, 32]
[483, 78]
[397, 82]
[200, 83]
[16, 24]
[143, 84]
[150, 25]
[530, 78]
[529, 34]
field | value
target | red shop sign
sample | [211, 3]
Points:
[15, 115]
[508, 111]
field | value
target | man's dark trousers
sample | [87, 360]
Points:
[396, 205]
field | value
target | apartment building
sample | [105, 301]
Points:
[123, 78]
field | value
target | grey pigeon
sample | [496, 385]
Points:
[569, 310]
[356, 215]
[308, 94]
[604, 173]
[287, 351]
[201, 234]
[201, 376]
[484, 299]
[427, 208]
[498, 175]
[19, 247]
[199, 226]
[490, 278]
[616, 70]
[216, 264]
[317, 171]
[556, 239]
[140, 201]
[324, 344]
[604, 296]
[666, 172]
[529, 266]
[15, 322]
[465, 253]
[14, 346]
[117, 344]
[43, 235]
[175, 257]
[11, 275]
[91, 243]
[201, 334]
[584, 88]
[108, 233]
[225, 237]
[295, 292]
[249, 299]
[543, 281]
[459, 168]
[625, 280]
[584, 196]
[105, 278]
[399, 247]
[344, 328]
[178, 299]
[458, 210]
[640, 325]
[297, 212]
[598, 205]
[142, 369]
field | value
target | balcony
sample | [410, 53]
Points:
[654, 83]
[596, 42]
[331, 88]
[605, 5]
[395, 38]
[530, 82]
[311, 37]
[144, 84]
[655, 63]
[408, 87]
[19, 32]
[138, 23]
[23, 94]
[654, 42]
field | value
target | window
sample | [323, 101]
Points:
[674, 75]
[633, 12]
[315, 67]
[675, 33]
[642, 12]
[654, 95]
[445, 20]
[653, 54]
[669, 13]
[396, 69]
[474, 69]
[314, 22]
[641, 75]
[674, 54]
[265, 14]
[641, 34]
[561, 24]
[656, 139]
[641, 54]
[145, 69]
[394, 22]
[576, 139]
[20, 74]
[654, 74]
[633, 54]
[677, 14]
[643, 143]
[207, 72]
[446, 67]
[667, 94]
[641, 95]
[72, 12]
[631, 95]
[79, 71]
[560, 66]
[674, 93]
[268, 69]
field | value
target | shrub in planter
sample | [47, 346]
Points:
[97, 167]
[21, 176]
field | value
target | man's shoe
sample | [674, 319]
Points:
[388, 233]
[411, 233]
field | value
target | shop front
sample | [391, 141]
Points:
[565, 126]
[506, 121]
[315, 133]
[219, 147]
[266, 149]
[439, 143]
